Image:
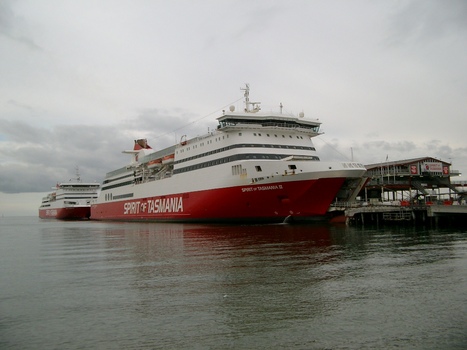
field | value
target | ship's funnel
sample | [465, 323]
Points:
[141, 144]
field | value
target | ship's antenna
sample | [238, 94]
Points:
[78, 178]
[255, 105]
[247, 97]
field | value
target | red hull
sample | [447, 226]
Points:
[299, 200]
[65, 213]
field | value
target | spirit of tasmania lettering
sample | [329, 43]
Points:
[154, 206]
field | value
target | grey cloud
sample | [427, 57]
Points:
[376, 151]
[380, 146]
[14, 27]
[20, 105]
[160, 120]
[424, 21]
[6, 18]
[15, 178]
[37, 158]
[325, 59]
[161, 127]
[367, 152]
[259, 19]
[21, 132]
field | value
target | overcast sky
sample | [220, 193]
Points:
[80, 80]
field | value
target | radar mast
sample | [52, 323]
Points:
[250, 107]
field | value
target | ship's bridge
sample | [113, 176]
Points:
[251, 119]
[237, 121]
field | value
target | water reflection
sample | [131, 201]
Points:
[238, 286]
[250, 277]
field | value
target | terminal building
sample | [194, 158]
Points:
[418, 180]
[417, 189]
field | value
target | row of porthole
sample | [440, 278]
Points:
[227, 136]
[241, 145]
[188, 148]
[283, 136]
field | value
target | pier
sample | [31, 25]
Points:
[416, 191]
[417, 214]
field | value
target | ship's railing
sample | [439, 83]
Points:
[275, 125]
[116, 172]
[341, 205]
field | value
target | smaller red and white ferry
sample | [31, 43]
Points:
[69, 200]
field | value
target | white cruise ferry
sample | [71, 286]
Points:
[254, 167]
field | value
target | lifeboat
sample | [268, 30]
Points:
[155, 163]
[168, 159]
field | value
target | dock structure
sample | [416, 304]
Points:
[418, 214]
[417, 190]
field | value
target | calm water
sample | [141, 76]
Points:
[95, 285]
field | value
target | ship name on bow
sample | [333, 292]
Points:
[154, 206]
